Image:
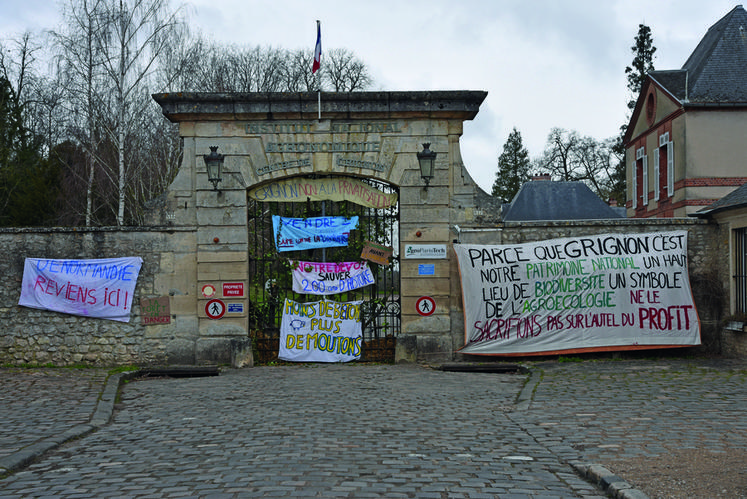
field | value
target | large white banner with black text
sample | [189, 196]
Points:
[588, 293]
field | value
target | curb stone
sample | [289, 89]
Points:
[610, 483]
[525, 396]
[607, 481]
[101, 416]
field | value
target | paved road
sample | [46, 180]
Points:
[378, 430]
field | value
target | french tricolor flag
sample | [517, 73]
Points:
[317, 49]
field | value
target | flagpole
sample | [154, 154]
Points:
[316, 66]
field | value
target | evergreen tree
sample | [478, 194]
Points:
[28, 183]
[513, 167]
[643, 63]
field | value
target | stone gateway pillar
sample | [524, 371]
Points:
[267, 139]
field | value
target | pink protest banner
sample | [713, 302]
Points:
[327, 278]
[101, 288]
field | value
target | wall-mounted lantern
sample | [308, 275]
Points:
[427, 159]
[214, 165]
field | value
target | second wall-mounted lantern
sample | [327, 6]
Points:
[214, 165]
[427, 159]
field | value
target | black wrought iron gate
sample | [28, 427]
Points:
[270, 279]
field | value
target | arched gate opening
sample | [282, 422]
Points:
[270, 277]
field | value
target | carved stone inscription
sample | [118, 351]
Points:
[274, 144]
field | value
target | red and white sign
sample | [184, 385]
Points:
[233, 289]
[425, 305]
[208, 291]
[215, 309]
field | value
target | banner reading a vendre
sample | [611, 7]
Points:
[101, 288]
[588, 293]
[327, 278]
[323, 331]
[293, 234]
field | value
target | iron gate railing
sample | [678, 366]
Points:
[270, 280]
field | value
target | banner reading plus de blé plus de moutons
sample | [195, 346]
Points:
[588, 293]
[323, 331]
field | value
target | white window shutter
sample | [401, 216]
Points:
[645, 181]
[656, 174]
[634, 195]
[670, 169]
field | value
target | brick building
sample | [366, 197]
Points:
[685, 143]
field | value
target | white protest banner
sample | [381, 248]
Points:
[101, 288]
[317, 278]
[292, 234]
[589, 293]
[323, 331]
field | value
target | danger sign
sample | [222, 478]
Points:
[425, 305]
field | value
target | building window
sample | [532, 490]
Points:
[641, 164]
[664, 168]
[740, 270]
[634, 185]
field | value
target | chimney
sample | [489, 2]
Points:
[612, 202]
[541, 176]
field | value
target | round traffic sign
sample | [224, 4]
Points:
[425, 305]
[215, 309]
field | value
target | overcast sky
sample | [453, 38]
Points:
[544, 63]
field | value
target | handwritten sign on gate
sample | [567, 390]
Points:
[327, 278]
[101, 288]
[606, 292]
[332, 188]
[323, 331]
[292, 234]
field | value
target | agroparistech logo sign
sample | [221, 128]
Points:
[425, 251]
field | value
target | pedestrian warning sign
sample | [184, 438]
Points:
[425, 305]
[215, 309]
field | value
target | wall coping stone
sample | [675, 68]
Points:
[199, 106]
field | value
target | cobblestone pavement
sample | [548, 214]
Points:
[40, 403]
[389, 431]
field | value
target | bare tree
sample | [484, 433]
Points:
[298, 77]
[571, 157]
[79, 58]
[559, 157]
[344, 72]
[134, 34]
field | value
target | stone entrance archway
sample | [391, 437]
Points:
[270, 279]
[267, 138]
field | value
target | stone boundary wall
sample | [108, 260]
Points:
[30, 336]
[707, 259]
